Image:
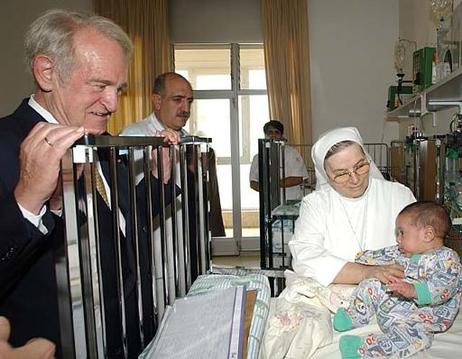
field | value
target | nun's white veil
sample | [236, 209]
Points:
[323, 145]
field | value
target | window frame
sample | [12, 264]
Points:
[232, 95]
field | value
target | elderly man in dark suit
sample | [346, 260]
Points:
[79, 65]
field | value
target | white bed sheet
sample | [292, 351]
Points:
[309, 302]
[446, 345]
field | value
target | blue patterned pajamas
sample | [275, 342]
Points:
[408, 325]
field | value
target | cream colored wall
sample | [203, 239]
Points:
[215, 21]
[351, 50]
[15, 16]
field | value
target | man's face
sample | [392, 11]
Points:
[90, 94]
[273, 134]
[174, 106]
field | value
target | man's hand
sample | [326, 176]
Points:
[384, 273]
[37, 348]
[401, 287]
[40, 156]
[171, 137]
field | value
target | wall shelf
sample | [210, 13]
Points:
[444, 94]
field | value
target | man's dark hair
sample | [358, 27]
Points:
[427, 213]
[274, 124]
[159, 82]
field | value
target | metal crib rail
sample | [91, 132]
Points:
[146, 272]
[380, 154]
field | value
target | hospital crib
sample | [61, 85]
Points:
[431, 167]
[278, 215]
[174, 259]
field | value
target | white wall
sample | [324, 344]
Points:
[351, 50]
[15, 16]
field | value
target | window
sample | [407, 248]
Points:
[230, 106]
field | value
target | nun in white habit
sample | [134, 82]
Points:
[353, 208]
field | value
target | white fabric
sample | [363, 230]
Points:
[299, 321]
[35, 219]
[324, 144]
[294, 167]
[147, 127]
[324, 238]
[295, 330]
[42, 112]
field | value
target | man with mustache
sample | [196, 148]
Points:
[172, 97]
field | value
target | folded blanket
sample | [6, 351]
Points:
[299, 321]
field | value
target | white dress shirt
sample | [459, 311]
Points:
[293, 167]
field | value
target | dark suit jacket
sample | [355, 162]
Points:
[27, 277]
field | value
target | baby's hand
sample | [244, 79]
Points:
[403, 288]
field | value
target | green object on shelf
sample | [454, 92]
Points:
[422, 66]
[393, 93]
[409, 147]
[452, 153]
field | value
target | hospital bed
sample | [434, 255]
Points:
[173, 260]
[79, 272]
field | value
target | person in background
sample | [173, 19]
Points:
[295, 169]
[172, 97]
[79, 66]
[352, 209]
[409, 310]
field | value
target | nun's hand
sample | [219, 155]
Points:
[384, 273]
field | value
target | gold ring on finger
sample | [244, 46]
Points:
[49, 143]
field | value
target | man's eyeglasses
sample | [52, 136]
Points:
[359, 170]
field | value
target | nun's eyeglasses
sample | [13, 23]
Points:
[359, 170]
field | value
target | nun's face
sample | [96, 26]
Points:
[348, 171]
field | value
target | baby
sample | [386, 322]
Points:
[409, 311]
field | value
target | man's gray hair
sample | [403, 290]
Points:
[52, 35]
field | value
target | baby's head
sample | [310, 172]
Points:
[421, 227]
